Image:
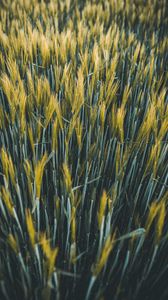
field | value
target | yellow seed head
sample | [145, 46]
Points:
[13, 243]
[67, 177]
[136, 53]
[51, 254]
[161, 219]
[39, 170]
[5, 163]
[120, 122]
[101, 212]
[106, 250]
[152, 214]
[50, 109]
[8, 167]
[30, 227]
[79, 129]
[7, 199]
[102, 114]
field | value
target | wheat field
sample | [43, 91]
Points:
[83, 150]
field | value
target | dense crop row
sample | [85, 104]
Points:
[83, 149]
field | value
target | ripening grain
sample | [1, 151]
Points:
[83, 149]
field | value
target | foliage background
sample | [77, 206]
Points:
[83, 139]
